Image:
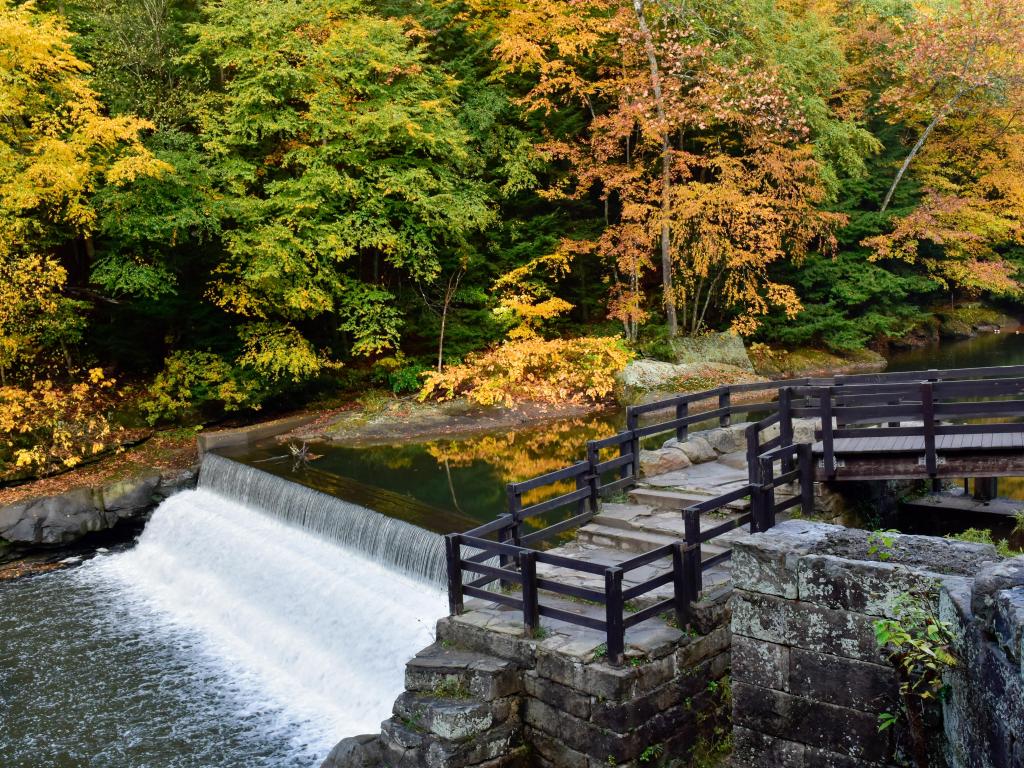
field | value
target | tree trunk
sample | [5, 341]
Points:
[449, 294]
[666, 170]
[920, 143]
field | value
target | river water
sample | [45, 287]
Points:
[226, 637]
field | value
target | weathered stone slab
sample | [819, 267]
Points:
[843, 682]
[760, 663]
[1008, 622]
[784, 622]
[832, 728]
[995, 577]
[867, 587]
[768, 562]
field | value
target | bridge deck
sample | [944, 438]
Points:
[998, 441]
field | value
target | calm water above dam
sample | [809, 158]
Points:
[449, 484]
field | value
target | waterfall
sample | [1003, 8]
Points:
[385, 540]
[297, 624]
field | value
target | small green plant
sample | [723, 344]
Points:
[541, 633]
[601, 652]
[881, 543]
[984, 536]
[450, 688]
[652, 753]
[920, 647]
[886, 720]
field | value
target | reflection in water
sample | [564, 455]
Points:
[446, 484]
[1005, 348]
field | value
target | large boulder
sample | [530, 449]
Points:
[56, 519]
[644, 381]
[662, 461]
[697, 449]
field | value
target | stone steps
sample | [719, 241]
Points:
[460, 708]
[677, 500]
[633, 540]
[438, 670]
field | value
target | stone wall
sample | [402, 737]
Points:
[809, 680]
[64, 518]
[486, 695]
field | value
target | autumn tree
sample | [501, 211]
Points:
[343, 170]
[699, 153]
[959, 86]
[56, 148]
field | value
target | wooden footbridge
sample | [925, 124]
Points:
[928, 425]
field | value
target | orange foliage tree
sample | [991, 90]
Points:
[700, 156]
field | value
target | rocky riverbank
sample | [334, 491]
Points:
[65, 516]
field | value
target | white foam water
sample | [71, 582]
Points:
[225, 637]
[321, 629]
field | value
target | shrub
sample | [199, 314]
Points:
[196, 383]
[46, 428]
[556, 371]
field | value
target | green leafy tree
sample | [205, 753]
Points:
[343, 173]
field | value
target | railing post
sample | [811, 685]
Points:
[634, 444]
[827, 443]
[806, 457]
[515, 507]
[453, 556]
[593, 478]
[724, 401]
[531, 602]
[928, 418]
[510, 535]
[786, 425]
[583, 481]
[614, 608]
[681, 597]
[768, 491]
[682, 411]
[693, 573]
[753, 449]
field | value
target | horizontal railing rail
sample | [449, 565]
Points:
[501, 557]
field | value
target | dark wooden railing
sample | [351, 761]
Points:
[502, 556]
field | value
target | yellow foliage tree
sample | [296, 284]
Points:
[56, 147]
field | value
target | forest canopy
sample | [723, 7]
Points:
[210, 205]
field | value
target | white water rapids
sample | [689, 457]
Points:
[292, 640]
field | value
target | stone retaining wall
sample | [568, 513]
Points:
[485, 695]
[809, 680]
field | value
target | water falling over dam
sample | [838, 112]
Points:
[227, 636]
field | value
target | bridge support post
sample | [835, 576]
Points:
[986, 488]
